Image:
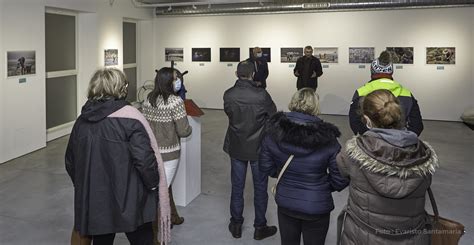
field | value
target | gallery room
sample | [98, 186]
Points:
[365, 110]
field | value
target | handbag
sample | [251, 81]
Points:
[77, 239]
[444, 231]
[281, 173]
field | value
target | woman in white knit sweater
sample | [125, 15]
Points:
[167, 116]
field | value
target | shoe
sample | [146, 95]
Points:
[264, 232]
[176, 220]
[235, 229]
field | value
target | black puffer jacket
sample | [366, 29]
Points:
[390, 171]
[113, 168]
[248, 108]
[306, 185]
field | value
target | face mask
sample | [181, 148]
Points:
[259, 55]
[177, 85]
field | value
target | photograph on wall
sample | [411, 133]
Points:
[361, 55]
[174, 54]
[229, 54]
[111, 57]
[441, 56]
[266, 53]
[21, 63]
[401, 55]
[201, 54]
[290, 55]
[326, 55]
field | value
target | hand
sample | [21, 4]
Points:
[313, 75]
[297, 74]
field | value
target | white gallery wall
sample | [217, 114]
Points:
[442, 94]
[22, 27]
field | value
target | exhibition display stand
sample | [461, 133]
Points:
[187, 182]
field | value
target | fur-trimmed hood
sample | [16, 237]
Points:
[299, 133]
[392, 169]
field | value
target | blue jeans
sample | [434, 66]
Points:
[260, 182]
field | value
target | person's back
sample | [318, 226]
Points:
[113, 165]
[248, 108]
[390, 170]
[381, 75]
[303, 194]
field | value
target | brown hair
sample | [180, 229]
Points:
[383, 109]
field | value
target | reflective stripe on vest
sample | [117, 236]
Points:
[384, 83]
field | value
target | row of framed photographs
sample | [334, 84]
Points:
[357, 55]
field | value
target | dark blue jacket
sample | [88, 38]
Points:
[312, 175]
[261, 70]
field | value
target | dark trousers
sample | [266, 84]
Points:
[260, 182]
[306, 84]
[314, 230]
[143, 235]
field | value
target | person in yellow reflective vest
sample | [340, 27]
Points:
[381, 78]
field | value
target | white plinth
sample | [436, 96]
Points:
[187, 182]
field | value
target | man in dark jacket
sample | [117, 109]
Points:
[248, 108]
[381, 75]
[308, 69]
[261, 67]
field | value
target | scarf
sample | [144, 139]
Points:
[164, 217]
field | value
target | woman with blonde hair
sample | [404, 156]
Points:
[390, 171]
[113, 160]
[308, 146]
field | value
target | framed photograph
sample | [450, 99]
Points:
[266, 53]
[174, 54]
[290, 55]
[441, 56]
[110, 57]
[401, 55]
[21, 63]
[229, 54]
[326, 55]
[201, 54]
[361, 55]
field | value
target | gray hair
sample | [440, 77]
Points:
[107, 83]
[305, 100]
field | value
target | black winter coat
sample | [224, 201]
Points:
[305, 67]
[306, 185]
[113, 169]
[261, 70]
[248, 108]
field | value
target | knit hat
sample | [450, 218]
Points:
[382, 65]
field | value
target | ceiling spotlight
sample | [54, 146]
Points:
[209, 6]
[170, 8]
[260, 2]
[194, 7]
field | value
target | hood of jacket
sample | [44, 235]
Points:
[395, 162]
[299, 133]
[97, 110]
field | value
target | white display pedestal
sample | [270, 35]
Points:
[187, 182]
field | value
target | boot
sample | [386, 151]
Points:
[235, 229]
[264, 232]
[175, 219]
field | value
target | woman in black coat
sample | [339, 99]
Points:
[115, 166]
[303, 194]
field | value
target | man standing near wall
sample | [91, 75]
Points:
[261, 67]
[248, 107]
[308, 69]
[381, 78]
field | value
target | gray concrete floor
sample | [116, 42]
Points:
[36, 195]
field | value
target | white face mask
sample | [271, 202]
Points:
[259, 55]
[177, 85]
